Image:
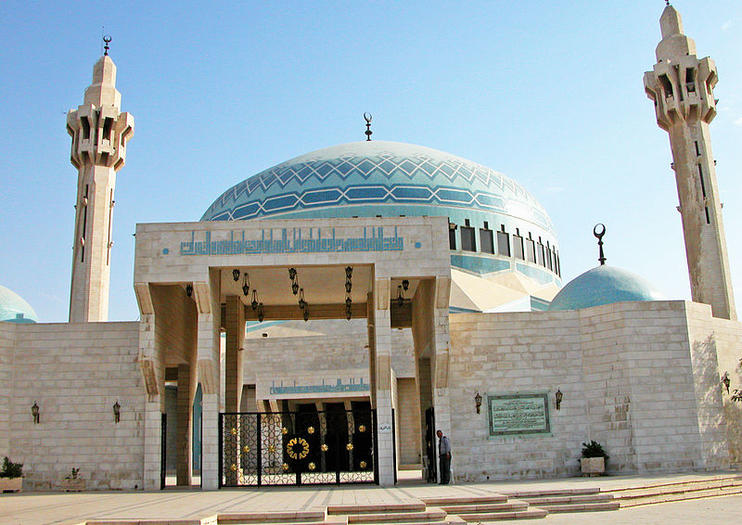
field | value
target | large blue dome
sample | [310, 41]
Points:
[604, 285]
[14, 309]
[497, 227]
[374, 173]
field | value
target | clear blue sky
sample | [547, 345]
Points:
[550, 93]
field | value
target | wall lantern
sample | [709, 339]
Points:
[236, 274]
[246, 284]
[400, 296]
[306, 315]
[189, 289]
[261, 314]
[35, 413]
[558, 396]
[405, 285]
[348, 272]
[478, 402]
[254, 302]
[116, 412]
[294, 281]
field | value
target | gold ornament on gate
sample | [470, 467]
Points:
[362, 428]
[284, 431]
[324, 447]
[233, 467]
[245, 449]
[233, 431]
[349, 446]
[310, 430]
[311, 466]
[295, 443]
[362, 464]
[271, 449]
[285, 466]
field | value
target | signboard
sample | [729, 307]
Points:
[521, 413]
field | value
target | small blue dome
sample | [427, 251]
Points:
[604, 285]
[14, 309]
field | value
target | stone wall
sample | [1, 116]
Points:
[7, 343]
[633, 379]
[408, 414]
[75, 373]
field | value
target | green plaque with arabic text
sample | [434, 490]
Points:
[521, 413]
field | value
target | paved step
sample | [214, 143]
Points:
[635, 500]
[499, 516]
[582, 507]
[430, 515]
[389, 507]
[463, 500]
[287, 517]
[486, 507]
[571, 499]
[525, 494]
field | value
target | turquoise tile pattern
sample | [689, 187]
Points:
[14, 309]
[376, 172]
[604, 285]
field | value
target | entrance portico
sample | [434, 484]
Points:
[195, 281]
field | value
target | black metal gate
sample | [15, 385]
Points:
[297, 448]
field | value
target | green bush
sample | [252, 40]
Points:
[593, 450]
[10, 469]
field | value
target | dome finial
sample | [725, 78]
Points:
[107, 39]
[599, 235]
[368, 118]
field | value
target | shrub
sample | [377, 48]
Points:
[593, 450]
[10, 469]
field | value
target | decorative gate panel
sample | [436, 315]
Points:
[297, 448]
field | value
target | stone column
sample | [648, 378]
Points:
[380, 348]
[235, 325]
[184, 430]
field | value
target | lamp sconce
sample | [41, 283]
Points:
[35, 413]
[478, 402]
[116, 412]
[189, 289]
[236, 274]
[726, 381]
[558, 396]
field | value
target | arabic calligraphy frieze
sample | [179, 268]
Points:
[291, 241]
[337, 387]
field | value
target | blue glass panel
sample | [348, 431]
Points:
[451, 195]
[313, 197]
[489, 200]
[366, 192]
[246, 210]
[480, 265]
[285, 201]
[408, 192]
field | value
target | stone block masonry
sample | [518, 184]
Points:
[75, 373]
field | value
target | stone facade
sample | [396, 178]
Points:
[75, 373]
[633, 379]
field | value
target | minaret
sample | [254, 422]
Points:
[99, 134]
[681, 87]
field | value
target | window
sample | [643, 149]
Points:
[518, 245]
[557, 263]
[451, 236]
[486, 244]
[503, 242]
[540, 253]
[468, 242]
[530, 249]
[548, 257]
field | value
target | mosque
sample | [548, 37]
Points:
[327, 315]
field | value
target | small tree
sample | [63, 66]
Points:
[10, 469]
[593, 450]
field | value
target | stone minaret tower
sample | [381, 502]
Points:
[681, 87]
[99, 135]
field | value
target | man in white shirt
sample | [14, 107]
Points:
[444, 452]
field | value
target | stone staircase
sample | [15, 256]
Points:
[413, 513]
[666, 492]
[567, 500]
[493, 507]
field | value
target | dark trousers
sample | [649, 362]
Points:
[445, 469]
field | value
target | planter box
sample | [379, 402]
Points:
[11, 484]
[73, 485]
[592, 466]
